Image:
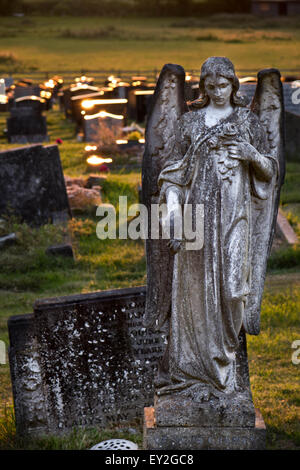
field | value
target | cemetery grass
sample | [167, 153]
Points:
[100, 43]
[27, 273]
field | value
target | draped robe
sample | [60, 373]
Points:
[210, 286]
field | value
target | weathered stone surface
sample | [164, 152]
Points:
[94, 363]
[25, 371]
[202, 438]
[32, 184]
[201, 405]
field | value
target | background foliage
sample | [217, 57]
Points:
[124, 7]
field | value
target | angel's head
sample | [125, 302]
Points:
[218, 70]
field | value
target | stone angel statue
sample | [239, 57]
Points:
[218, 152]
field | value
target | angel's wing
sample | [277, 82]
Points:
[269, 106]
[168, 104]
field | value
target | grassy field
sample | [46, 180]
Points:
[64, 43]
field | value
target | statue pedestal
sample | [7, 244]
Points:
[158, 437]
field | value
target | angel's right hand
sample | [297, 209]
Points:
[174, 245]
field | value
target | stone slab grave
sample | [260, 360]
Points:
[26, 123]
[32, 184]
[82, 360]
[139, 102]
[284, 233]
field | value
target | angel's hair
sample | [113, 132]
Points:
[222, 67]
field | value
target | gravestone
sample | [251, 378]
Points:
[82, 360]
[9, 81]
[32, 184]
[292, 126]
[21, 91]
[139, 101]
[3, 96]
[73, 91]
[76, 106]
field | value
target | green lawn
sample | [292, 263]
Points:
[70, 43]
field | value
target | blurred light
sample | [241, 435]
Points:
[144, 92]
[83, 86]
[247, 79]
[49, 84]
[30, 98]
[3, 99]
[86, 96]
[45, 94]
[95, 160]
[89, 104]
[121, 141]
[103, 114]
[88, 148]
[142, 141]
[107, 88]
[137, 83]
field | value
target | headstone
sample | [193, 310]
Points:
[2, 86]
[26, 123]
[3, 97]
[9, 81]
[21, 90]
[76, 105]
[32, 184]
[82, 360]
[292, 128]
[73, 91]
[202, 294]
[139, 101]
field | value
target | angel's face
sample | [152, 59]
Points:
[218, 89]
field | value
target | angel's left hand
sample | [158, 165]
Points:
[241, 150]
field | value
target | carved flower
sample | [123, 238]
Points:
[213, 142]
